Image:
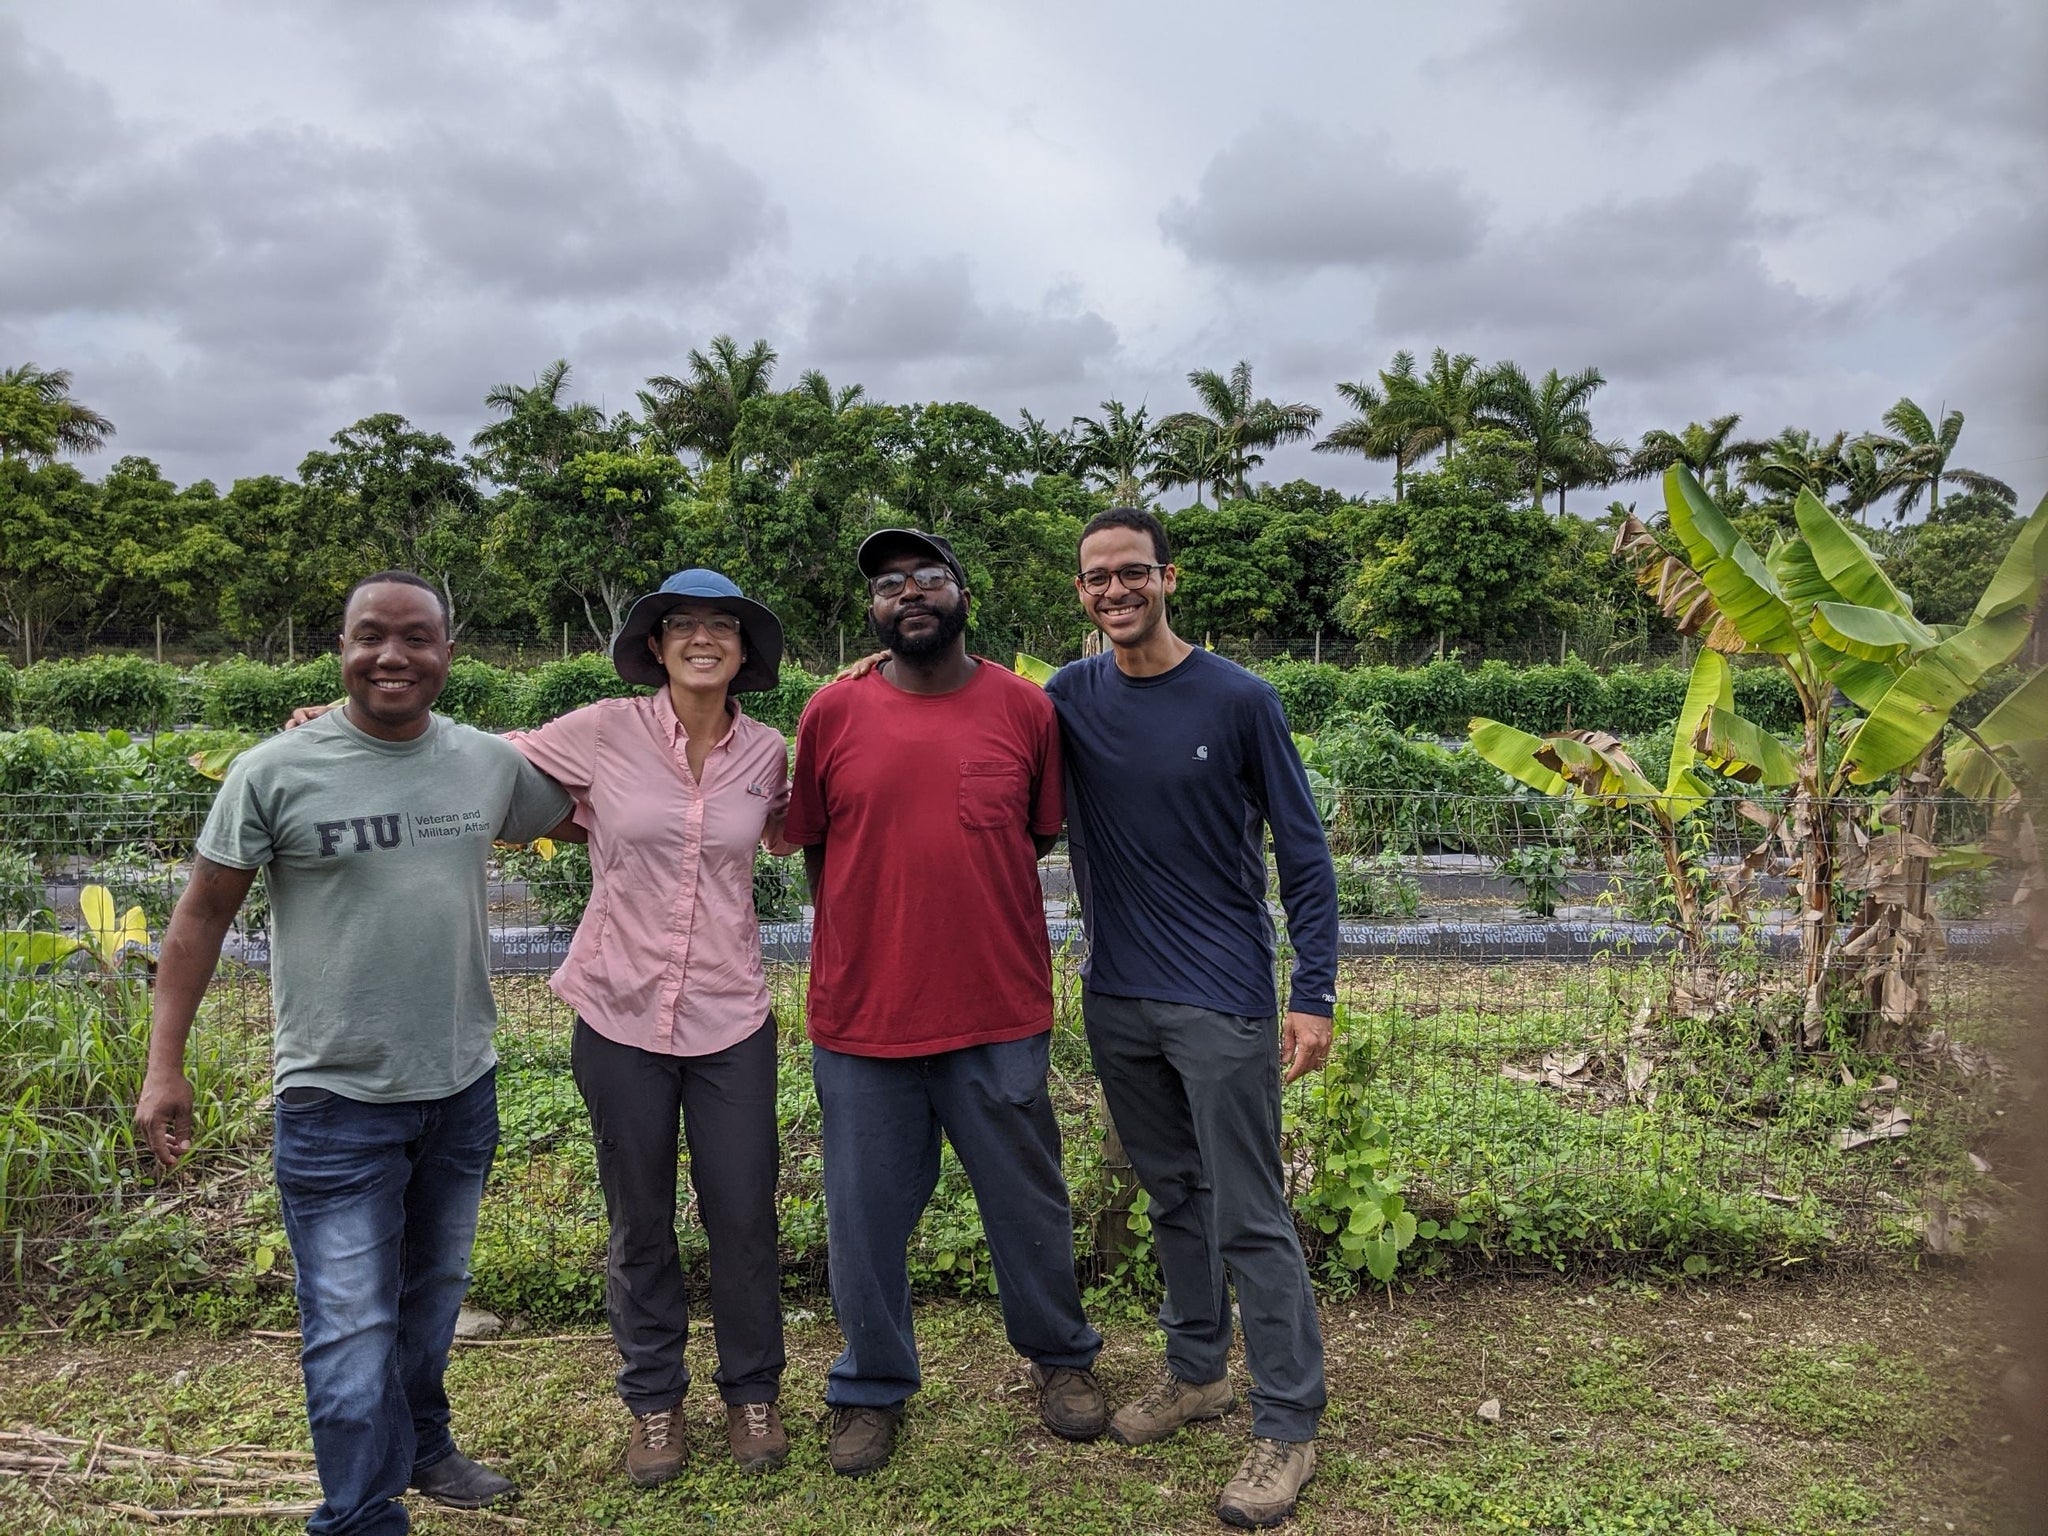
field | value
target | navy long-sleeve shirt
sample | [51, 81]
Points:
[1171, 782]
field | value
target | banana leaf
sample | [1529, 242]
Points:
[2017, 582]
[29, 951]
[1869, 634]
[1744, 750]
[1864, 682]
[1792, 566]
[1513, 752]
[2016, 732]
[1917, 708]
[1730, 569]
[1711, 686]
[1040, 672]
[213, 764]
[1845, 561]
[1598, 766]
[106, 936]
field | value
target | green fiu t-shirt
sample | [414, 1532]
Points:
[374, 854]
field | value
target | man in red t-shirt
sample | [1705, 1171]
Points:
[924, 795]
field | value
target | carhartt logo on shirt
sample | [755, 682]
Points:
[1201, 754]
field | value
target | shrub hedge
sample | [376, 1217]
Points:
[130, 692]
[1442, 697]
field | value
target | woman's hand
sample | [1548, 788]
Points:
[306, 714]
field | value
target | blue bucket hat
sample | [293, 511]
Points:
[759, 628]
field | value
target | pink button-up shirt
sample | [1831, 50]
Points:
[668, 955]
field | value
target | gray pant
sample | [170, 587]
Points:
[1196, 1099]
[726, 1102]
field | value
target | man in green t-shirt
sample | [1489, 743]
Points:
[372, 827]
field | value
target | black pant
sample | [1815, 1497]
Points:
[726, 1102]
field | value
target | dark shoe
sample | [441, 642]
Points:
[656, 1451]
[1266, 1486]
[460, 1483]
[862, 1439]
[755, 1430]
[1070, 1402]
[1168, 1406]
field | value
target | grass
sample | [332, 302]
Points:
[1859, 1401]
[1721, 1160]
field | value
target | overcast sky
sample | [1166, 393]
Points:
[243, 225]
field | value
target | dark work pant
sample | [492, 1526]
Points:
[1196, 1099]
[883, 1117]
[380, 1204]
[726, 1102]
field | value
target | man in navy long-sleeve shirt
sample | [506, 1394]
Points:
[1177, 761]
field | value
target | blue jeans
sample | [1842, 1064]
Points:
[380, 1204]
[882, 1119]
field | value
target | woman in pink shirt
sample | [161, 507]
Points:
[676, 789]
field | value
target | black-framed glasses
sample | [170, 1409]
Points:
[929, 578]
[1132, 577]
[720, 626]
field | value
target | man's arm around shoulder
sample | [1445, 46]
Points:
[185, 962]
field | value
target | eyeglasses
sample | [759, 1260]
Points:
[1132, 576]
[719, 626]
[928, 578]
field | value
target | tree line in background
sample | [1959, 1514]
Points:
[559, 514]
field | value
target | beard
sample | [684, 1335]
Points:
[923, 646]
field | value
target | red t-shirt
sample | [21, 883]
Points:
[930, 932]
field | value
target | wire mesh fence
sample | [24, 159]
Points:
[1507, 1049]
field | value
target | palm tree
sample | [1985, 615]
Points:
[1446, 401]
[1552, 418]
[813, 385]
[1189, 454]
[1046, 452]
[538, 431]
[1867, 475]
[39, 419]
[702, 412]
[1242, 423]
[1794, 461]
[1381, 429]
[1114, 452]
[1919, 457]
[1706, 450]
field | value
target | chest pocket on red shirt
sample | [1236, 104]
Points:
[991, 795]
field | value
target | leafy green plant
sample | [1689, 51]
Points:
[1355, 1197]
[1378, 887]
[778, 888]
[1537, 870]
[97, 692]
[557, 878]
[21, 887]
[135, 876]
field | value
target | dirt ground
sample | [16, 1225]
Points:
[1864, 1400]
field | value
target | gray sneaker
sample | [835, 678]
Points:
[1168, 1406]
[1266, 1486]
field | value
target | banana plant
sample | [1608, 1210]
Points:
[1593, 765]
[1820, 607]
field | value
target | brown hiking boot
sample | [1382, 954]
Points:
[656, 1452]
[1266, 1486]
[755, 1430]
[1070, 1401]
[862, 1439]
[1168, 1406]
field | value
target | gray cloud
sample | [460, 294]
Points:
[1651, 286]
[1628, 50]
[928, 314]
[584, 203]
[1288, 195]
